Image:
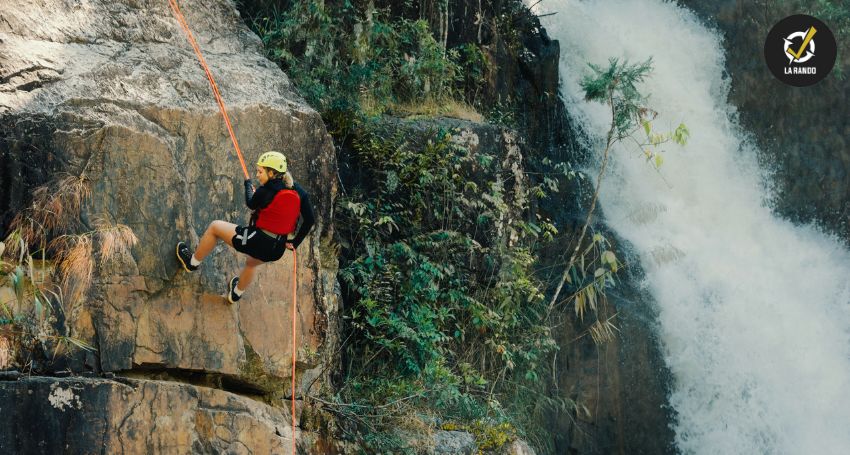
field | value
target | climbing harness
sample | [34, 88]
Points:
[180, 19]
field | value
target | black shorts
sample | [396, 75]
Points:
[255, 243]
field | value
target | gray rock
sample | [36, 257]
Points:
[454, 442]
[11, 375]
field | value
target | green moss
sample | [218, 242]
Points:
[329, 253]
[488, 436]
[255, 374]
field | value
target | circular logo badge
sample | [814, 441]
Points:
[800, 50]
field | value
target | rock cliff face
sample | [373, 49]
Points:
[112, 92]
[621, 387]
[80, 415]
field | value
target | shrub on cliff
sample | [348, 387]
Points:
[445, 318]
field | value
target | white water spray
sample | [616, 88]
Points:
[753, 309]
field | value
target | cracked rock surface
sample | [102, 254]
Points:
[78, 415]
[113, 91]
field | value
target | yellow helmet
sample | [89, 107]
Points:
[274, 160]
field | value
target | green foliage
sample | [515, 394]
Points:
[502, 113]
[616, 86]
[305, 40]
[358, 58]
[487, 435]
[836, 14]
[474, 66]
[510, 18]
[439, 306]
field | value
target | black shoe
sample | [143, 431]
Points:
[184, 255]
[231, 290]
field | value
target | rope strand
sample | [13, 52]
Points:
[294, 311]
[182, 21]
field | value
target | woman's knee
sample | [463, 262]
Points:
[223, 230]
[211, 228]
[217, 228]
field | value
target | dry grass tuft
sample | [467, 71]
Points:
[55, 207]
[55, 213]
[75, 256]
[438, 108]
[55, 210]
[431, 107]
[15, 246]
[115, 240]
[603, 331]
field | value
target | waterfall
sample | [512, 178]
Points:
[753, 309]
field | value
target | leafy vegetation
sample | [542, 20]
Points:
[616, 86]
[359, 58]
[375, 56]
[446, 322]
[443, 311]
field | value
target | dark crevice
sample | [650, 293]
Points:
[28, 70]
[199, 378]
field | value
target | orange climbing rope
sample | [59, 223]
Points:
[216, 93]
[294, 334]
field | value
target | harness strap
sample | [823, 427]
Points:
[244, 237]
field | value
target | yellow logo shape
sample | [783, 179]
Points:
[799, 53]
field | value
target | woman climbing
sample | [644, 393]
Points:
[277, 204]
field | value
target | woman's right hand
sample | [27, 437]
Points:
[249, 190]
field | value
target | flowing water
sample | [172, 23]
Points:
[754, 312]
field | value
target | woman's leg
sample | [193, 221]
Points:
[218, 229]
[247, 275]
